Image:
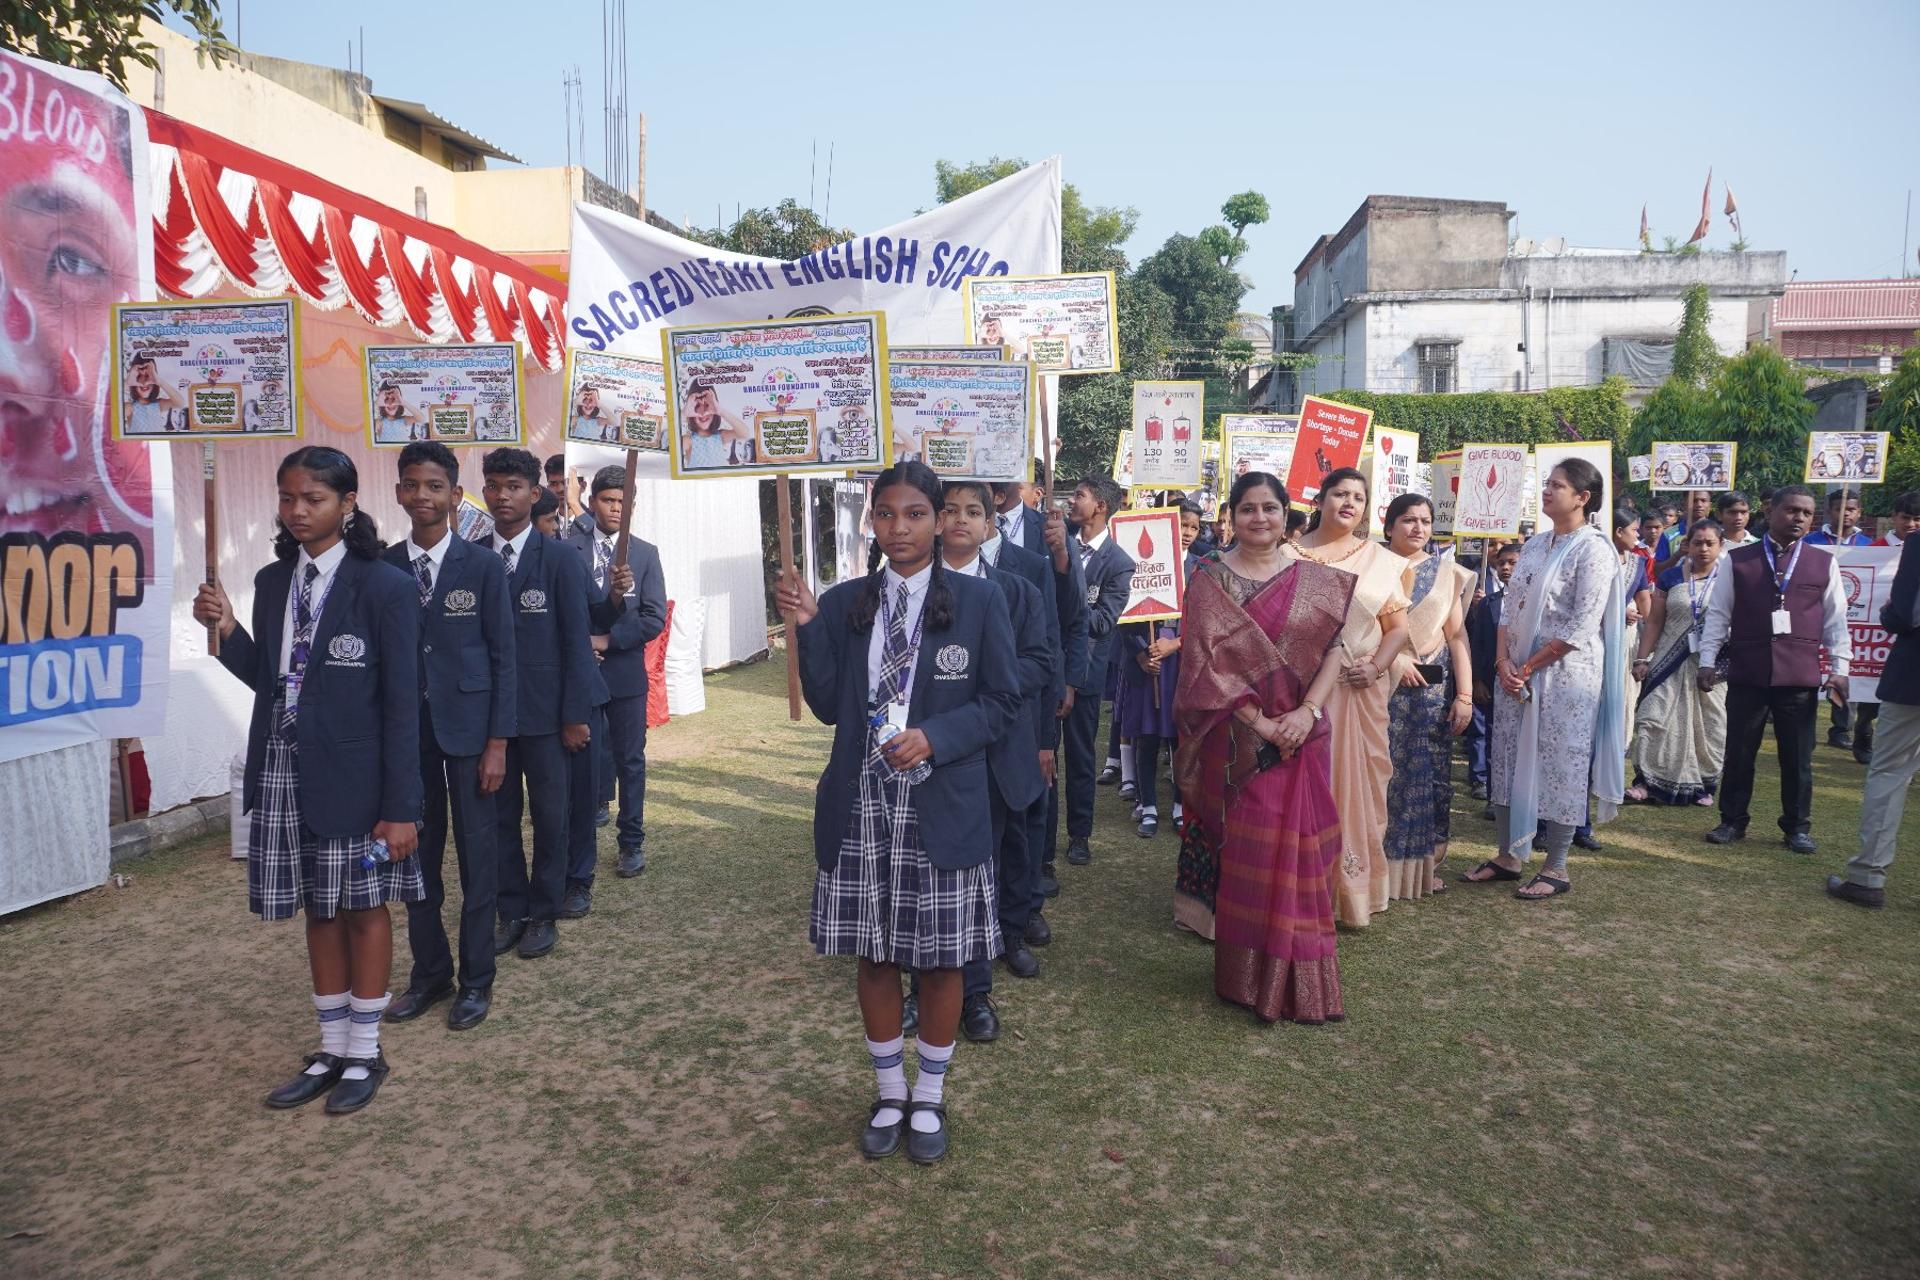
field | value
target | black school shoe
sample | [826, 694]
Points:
[540, 938]
[1799, 842]
[577, 903]
[507, 935]
[351, 1095]
[1039, 932]
[1049, 881]
[1108, 776]
[927, 1148]
[1079, 853]
[1020, 961]
[877, 1142]
[978, 1022]
[470, 1008]
[416, 1000]
[304, 1088]
[632, 863]
[1725, 833]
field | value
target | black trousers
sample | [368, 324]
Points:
[455, 781]
[1017, 876]
[1077, 735]
[1795, 722]
[584, 771]
[627, 734]
[537, 777]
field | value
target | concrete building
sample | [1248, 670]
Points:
[1846, 324]
[1426, 295]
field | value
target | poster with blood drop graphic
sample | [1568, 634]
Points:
[1167, 434]
[1493, 490]
[1389, 467]
[1331, 437]
[1159, 586]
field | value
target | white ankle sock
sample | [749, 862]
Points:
[333, 1028]
[931, 1083]
[363, 1031]
[1150, 811]
[1177, 813]
[890, 1073]
[1126, 762]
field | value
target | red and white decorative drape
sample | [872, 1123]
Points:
[228, 217]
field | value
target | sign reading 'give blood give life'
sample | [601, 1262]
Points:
[1330, 437]
[1159, 586]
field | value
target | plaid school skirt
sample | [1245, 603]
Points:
[288, 867]
[886, 902]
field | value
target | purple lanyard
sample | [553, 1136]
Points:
[1693, 595]
[905, 692]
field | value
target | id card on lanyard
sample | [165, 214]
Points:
[1694, 604]
[896, 710]
[300, 654]
[1782, 620]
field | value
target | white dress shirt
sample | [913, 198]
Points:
[327, 562]
[1090, 545]
[1835, 636]
[436, 556]
[882, 619]
[990, 551]
[974, 568]
[518, 542]
[1010, 524]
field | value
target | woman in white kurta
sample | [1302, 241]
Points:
[1559, 714]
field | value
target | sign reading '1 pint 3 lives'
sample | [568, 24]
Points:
[764, 397]
[1167, 434]
[1159, 586]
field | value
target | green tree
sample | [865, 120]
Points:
[104, 35]
[1899, 414]
[1205, 293]
[1248, 209]
[1695, 358]
[788, 230]
[1759, 400]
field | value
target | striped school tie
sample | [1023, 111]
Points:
[423, 574]
[302, 648]
[895, 654]
[602, 561]
[506, 555]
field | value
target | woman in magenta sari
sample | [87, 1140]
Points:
[1259, 631]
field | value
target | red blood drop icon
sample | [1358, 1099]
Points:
[1493, 475]
[1146, 544]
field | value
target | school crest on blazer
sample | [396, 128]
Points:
[346, 651]
[533, 600]
[951, 663]
[460, 603]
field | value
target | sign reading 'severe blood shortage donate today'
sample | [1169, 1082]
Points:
[1330, 437]
[776, 396]
[86, 521]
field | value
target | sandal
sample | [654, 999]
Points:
[1499, 873]
[1637, 794]
[1558, 887]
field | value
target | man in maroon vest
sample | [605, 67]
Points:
[1778, 605]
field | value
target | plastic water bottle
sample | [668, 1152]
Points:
[885, 731]
[378, 852]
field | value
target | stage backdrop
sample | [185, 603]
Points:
[629, 280]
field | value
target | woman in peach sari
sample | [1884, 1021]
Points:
[1374, 634]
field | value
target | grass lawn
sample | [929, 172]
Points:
[1694, 1065]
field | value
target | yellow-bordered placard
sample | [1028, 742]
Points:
[1492, 496]
[449, 393]
[1336, 435]
[1694, 464]
[1167, 432]
[1003, 295]
[1158, 588]
[969, 398]
[1847, 457]
[1244, 451]
[722, 365]
[189, 353]
[598, 373]
[1446, 490]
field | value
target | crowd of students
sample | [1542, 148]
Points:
[430, 688]
[1307, 699]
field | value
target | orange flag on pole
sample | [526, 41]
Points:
[1733, 214]
[1706, 211]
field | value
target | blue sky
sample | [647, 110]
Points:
[1571, 114]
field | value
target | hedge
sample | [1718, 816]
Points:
[1446, 422]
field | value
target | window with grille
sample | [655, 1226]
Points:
[1439, 366]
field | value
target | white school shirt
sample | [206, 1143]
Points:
[327, 562]
[436, 556]
[876, 643]
[1010, 524]
[974, 568]
[1090, 545]
[1835, 636]
[990, 551]
[518, 542]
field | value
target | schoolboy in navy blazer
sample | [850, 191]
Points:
[358, 703]
[1025, 529]
[632, 612]
[466, 717]
[555, 686]
[966, 690]
[1109, 577]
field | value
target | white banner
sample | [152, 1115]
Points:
[86, 538]
[1867, 575]
[629, 280]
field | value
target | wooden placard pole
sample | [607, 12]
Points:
[784, 513]
[1046, 437]
[209, 473]
[626, 509]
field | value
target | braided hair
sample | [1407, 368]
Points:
[938, 610]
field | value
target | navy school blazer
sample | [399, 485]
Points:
[1900, 680]
[966, 689]
[630, 625]
[358, 729]
[1109, 577]
[555, 682]
[1069, 597]
[466, 646]
[1038, 570]
[1012, 757]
